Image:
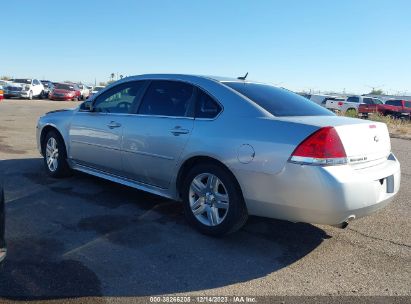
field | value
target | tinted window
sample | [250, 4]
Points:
[377, 101]
[353, 99]
[27, 81]
[168, 98]
[206, 107]
[408, 104]
[119, 99]
[36, 82]
[368, 101]
[397, 103]
[278, 102]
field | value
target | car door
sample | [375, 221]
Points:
[369, 105]
[96, 135]
[155, 137]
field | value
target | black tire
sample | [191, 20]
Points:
[62, 168]
[41, 96]
[237, 212]
[351, 112]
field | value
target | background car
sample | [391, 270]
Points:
[322, 99]
[65, 92]
[96, 89]
[227, 149]
[48, 87]
[84, 91]
[351, 105]
[24, 88]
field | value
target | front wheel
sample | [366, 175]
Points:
[213, 202]
[55, 156]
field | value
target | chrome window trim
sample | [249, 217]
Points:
[164, 116]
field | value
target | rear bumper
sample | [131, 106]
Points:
[322, 195]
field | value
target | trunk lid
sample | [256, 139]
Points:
[366, 143]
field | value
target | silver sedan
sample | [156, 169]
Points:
[227, 148]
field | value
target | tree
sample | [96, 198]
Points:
[102, 83]
[5, 77]
[376, 92]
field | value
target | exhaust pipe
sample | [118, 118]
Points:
[344, 224]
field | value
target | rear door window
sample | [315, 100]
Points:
[397, 103]
[206, 107]
[353, 99]
[368, 101]
[168, 98]
[279, 102]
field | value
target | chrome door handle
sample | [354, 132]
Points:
[113, 125]
[178, 130]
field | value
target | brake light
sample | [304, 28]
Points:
[340, 103]
[323, 147]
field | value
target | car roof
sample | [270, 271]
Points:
[185, 76]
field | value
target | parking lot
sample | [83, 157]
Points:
[87, 237]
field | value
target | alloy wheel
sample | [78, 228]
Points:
[209, 199]
[52, 154]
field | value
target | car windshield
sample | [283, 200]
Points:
[25, 81]
[98, 89]
[279, 102]
[62, 86]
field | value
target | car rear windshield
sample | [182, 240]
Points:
[278, 102]
[64, 87]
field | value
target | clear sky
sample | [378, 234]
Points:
[301, 45]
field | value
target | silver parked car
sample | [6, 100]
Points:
[226, 148]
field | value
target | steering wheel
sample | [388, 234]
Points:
[124, 105]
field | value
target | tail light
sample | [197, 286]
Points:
[323, 147]
[340, 103]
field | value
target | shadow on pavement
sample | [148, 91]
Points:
[83, 236]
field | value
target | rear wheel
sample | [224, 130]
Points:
[55, 156]
[213, 202]
[351, 112]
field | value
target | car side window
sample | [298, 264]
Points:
[35, 82]
[119, 99]
[368, 101]
[353, 99]
[168, 98]
[206, 107]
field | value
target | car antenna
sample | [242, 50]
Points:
[243, 77]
